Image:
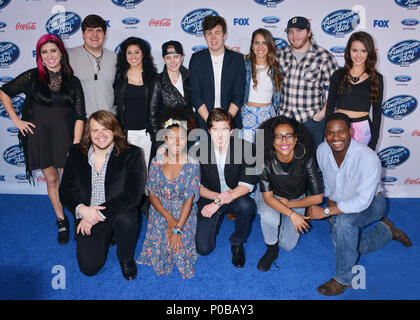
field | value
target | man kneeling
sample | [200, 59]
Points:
[102, 185]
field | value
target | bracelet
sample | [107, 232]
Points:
[291, 213]
[177, 230]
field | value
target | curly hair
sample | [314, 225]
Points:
[149, 68]
[271, 58]
[303, 137]
[344, 82]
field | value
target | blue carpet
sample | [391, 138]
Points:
[29, 252]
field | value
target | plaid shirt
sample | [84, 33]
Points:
[305, 83]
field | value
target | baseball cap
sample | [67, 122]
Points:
[298, 22]
[173, 46]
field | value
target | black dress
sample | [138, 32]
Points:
[51, 139]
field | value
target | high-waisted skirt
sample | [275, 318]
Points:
[362, 129]
[252, 117]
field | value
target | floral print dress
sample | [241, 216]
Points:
[172, 194]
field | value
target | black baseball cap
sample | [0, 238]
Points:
[298, 22]
[175, 47]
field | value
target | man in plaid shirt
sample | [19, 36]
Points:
[307, 70]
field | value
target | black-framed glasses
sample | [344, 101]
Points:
[288, 136]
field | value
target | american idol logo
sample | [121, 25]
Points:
[63, 24]
[192, 22]
[395, 130]
[270, 20]
[402, 78]
[9, 53]
[4, 3]
[280, 43]
[269, 3]
[198, 48]
[17, 102]
[409, 4]
[14, 156]
[410, 22]
[340, 22]
[389, 179]
[399, 106]
[405, 52]
[394, 156]
[128, 4]
[130, 21]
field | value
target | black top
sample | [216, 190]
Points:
[291, 182]
[135, 113]
[356, 99]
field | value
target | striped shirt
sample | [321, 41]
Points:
[305, 82]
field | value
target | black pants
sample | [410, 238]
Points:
[207, 228]
[92, 250]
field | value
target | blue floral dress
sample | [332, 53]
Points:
[172, 194]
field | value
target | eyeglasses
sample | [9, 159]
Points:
[288, 136]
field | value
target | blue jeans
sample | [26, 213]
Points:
[316, 129]
[350, 241]
[276, 226]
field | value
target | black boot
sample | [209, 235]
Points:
[268, 258]
[63, 230]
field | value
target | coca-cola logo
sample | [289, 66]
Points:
[40, 179]
[165, 22]
[412, 181]
[416, 133]
[26, 26]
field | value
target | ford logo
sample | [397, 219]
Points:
[17, 102]
[14, 156]
[409, 4]
[128, 4]
[338, 50]
[405, 52]
[5, 79]
[3, 25]
[198, 48]
[340, 22]
[130, 21]
[63, 24]
[270, 20]
[269, 3]
[9, 53]
[394, 156]
[395, 130]
[280, 43]
[21, 177]
[409, 22]
[4, 3]
[13, 130]
[399, 106]
[389, 179]
[402, 78]
[192, 22]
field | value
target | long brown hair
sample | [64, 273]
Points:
[109, 121]
[271, 58]
[367, 40]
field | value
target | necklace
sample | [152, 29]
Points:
[356, 79]
[97, 60]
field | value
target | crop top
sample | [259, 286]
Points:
[356, 99]
[265, 89]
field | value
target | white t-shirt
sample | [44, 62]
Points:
[217, 71]
[179, 85]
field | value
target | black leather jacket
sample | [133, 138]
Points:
[164, 94]
[119, 91]
[291, 184]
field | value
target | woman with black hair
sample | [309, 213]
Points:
[53, 117]
[173, 187]
[133, 84]
[289, 171]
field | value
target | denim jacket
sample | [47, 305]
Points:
[276, 96]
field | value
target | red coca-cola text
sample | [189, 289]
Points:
[26, 26]
[165, 22]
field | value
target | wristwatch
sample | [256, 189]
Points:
[327, 212]
[217, 201]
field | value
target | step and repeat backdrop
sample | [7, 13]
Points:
[394, 25]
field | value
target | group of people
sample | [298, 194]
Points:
[125, 138]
